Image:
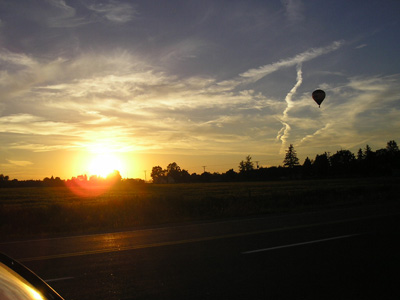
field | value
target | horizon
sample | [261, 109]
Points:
[109, 171]
[137, 84]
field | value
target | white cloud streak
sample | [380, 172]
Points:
[283, 134]
[256, 74]
[361, 46]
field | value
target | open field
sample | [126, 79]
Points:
[34, 212]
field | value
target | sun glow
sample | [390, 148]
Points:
[104, 164]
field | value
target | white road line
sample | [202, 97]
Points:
[300, 244]
[58, 279]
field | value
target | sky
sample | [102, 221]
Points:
[130, 85]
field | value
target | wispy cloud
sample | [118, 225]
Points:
[124, 103]
[362, 110]
[119, 97]
[18, 59]
[294, 10]
[20, 163]
[65, 15]
[115, 11]
[361, 46]
[257, 74]
[119, 100]
[283, 134]
[183, 50]
[31, 124]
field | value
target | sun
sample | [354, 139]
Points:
[104, 164]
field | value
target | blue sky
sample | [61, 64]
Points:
[200, 83]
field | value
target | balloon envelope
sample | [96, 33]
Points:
[318, 96]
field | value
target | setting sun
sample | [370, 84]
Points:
[104, 164]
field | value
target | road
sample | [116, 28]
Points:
[348, 253]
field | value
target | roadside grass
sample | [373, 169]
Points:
[39, 212]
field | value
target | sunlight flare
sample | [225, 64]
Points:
[104, 164]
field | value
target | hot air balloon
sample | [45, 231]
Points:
[318, 96]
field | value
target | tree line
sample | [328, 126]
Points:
[344, 163]
[81, 180]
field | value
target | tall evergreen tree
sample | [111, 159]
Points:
[307, 167]
[291, 159]
[307, 163]
[360, 155]
[368, 152]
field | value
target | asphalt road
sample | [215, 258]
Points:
[337, 254]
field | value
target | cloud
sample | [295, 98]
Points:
[183, 50]
[364, 109]
[20, 163]
[256, 74]
[17, 59]
[30, 124]
[283, 134]
[118, 100]
[361, 46]
[64, 15]
[115, 11]
[294, 10]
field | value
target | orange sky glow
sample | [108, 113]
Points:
[89, 87]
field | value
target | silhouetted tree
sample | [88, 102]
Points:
[158, 174]
[387, 160]
[307, 167]
[184, 176]
[307, 163]
[369, 164]
[321, 164]
[173, 172]
[392, 147]
[246, 165]
[4, 177]
[368, 154]
[4, 180]
[342, 157]
[342, 162]
[205, 177]
[394, 154]
[230, 175]
[360, 155]
[291, 159]
[53, 181]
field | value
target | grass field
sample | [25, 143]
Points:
[34, 212]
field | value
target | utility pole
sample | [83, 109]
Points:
[204, 169]
[145, 177]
